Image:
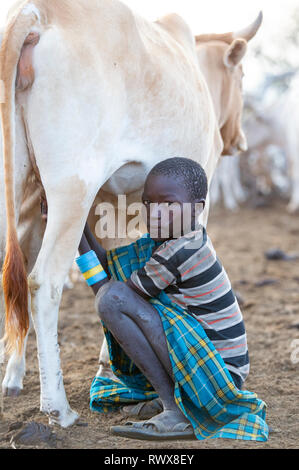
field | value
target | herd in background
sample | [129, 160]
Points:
[269, 169]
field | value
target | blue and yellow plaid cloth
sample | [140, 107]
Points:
[204, 389]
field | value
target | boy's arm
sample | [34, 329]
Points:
[96, 247]
[155, 276]
[88, 242]
[85, 248]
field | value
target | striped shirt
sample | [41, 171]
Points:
[188, 270]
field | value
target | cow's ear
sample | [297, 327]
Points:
[235, 53]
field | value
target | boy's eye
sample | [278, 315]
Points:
[167, 203]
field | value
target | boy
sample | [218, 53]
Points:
[183, 269]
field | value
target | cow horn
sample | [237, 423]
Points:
[246, 33]
[251, 30]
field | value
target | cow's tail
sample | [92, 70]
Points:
[14, 277]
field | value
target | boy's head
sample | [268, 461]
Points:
[176, 187]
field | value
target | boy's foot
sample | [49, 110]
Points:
[143, 409]
[168, 425]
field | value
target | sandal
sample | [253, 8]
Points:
[154, 429]
[143, 409]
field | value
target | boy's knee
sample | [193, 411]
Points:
[110, 298]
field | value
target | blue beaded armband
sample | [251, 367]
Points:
[91, 268]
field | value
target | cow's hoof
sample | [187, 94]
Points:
[64, 420]
[11, 391]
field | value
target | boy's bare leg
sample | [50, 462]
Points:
[137, 327]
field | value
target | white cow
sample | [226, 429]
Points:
[220, 58]
[105, 90]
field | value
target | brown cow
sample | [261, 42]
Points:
[220, 57]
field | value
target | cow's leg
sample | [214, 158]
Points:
[215, 188]
[210, 168]
[227, 183]
[293, 205]
[15, 371]
[239, 190]
[2, 355]
[67, 214]
[31, 230]
[12, 382]
[294, 157]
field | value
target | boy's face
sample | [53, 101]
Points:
[169, 211]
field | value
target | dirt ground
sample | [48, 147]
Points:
[269, 293]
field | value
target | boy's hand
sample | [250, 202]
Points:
[87, 231]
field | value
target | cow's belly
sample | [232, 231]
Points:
[129, 178]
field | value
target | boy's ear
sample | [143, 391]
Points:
[200, 204]
[198, 207]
